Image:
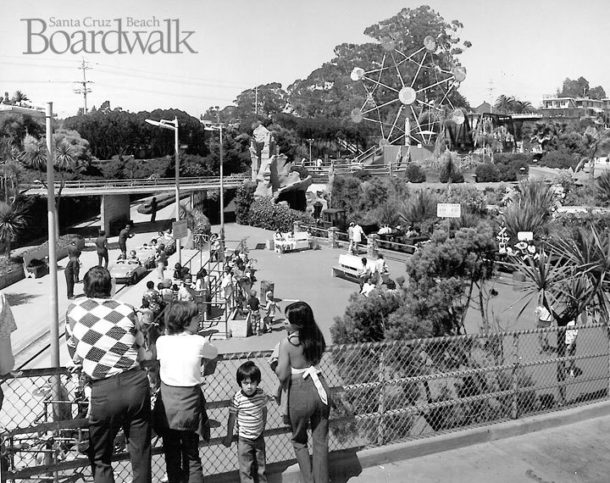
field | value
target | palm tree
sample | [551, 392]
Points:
[419, 208]
[12, 222]
[20, 98]
[530, 209]
[504, 104]
[570, 277]
[35, 154]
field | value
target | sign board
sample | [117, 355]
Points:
[448, 210]
[179, 229]
[525, 236]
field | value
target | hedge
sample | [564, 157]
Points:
[264, 213]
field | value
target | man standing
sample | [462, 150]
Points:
[74, 256]
[104, 337]
[355, 234]
[70, 273]
[124, 234]
[153, 209]
[101, 246]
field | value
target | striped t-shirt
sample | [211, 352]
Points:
[249, 411]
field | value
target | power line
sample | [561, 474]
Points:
[84, 89]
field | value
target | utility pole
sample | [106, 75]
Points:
[84, 90]
[491, 95]
[256, 101]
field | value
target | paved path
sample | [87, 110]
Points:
[304, 275]
[572, 453]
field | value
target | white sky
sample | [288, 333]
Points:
[524, 48]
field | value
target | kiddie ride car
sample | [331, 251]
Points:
[127, 271]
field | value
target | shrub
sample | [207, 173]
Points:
[415, 174]
[244, 197]
[558, 159]
[365, 318]
[450, 173]
[487, 173]
[264, 213]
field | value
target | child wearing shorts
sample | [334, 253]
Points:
[249, 409]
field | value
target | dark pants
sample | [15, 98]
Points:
[102, 259]
[69, 273]
[121, 401]
[153, 215]
[305, 407]
[251, 455]
[182, 456]
[76, 268]
[123, 247]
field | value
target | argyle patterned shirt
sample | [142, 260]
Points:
[101, 335]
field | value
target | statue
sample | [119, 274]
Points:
[276, 177]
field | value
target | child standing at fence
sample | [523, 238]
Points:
[180, 416]
[249, 409]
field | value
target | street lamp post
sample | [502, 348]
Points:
[209, 126]
[51, 219]
[173, 125]
[310, 141]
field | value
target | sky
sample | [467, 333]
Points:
[521, 48]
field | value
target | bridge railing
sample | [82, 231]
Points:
[383, 393]
[150, 181]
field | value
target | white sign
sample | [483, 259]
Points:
[525, 236]
[448, 210]
[179, 229]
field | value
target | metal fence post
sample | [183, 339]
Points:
[381, 376]
[514, 411]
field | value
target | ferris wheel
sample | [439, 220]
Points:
[408, 90]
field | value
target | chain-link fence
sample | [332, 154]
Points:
[382, 393]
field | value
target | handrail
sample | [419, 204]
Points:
[114, 183]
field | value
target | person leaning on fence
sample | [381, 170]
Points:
[308, 395]
[180, 416]
[105, 338]
[249, 409]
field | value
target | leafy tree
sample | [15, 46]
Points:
[580, 88]
[329, 91]
[443, 276]
[244, 198]
[365, 318]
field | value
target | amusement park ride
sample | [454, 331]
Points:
[409, 89]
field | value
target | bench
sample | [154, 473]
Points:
[301, 240]
[349, 267]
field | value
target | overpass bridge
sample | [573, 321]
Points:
[90, 187]
[114, 193]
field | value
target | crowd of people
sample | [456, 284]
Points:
[110, 344]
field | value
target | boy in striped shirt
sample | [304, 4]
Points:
[249, 409]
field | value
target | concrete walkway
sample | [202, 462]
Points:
[564, 447]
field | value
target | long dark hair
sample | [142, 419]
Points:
[301, 316]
